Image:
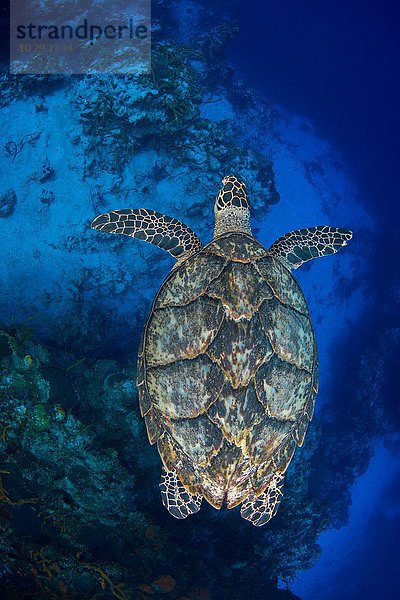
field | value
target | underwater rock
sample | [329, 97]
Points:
[8, 200]
[213, 43]
[79, 474]
[164, 584]
[39, 418]
[47, 173]
[85, 584]
[47, 196]
[93, 535]
[121, 115]
[40, 106]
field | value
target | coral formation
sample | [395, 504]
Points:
[47, 172]
[16, 87]
[8, 200]
[47, 196]
[79, 494]
[122, 116]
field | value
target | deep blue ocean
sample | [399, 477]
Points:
[300, 100]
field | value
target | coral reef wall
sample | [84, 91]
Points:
[92, 143]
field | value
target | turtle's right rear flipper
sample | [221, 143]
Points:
[175, 498]
[260, 509]
[153, 227]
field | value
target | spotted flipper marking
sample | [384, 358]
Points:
[260, 509]
[153, 227]
[175, 498]
[297, 247]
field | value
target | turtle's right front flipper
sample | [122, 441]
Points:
[153, 227]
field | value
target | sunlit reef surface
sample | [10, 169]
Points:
[81, 515]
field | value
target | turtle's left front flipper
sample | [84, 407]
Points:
[153, 227]
[297, 247]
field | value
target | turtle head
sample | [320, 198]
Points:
[232, 207]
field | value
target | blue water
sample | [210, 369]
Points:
[301, 99]
[338, 63]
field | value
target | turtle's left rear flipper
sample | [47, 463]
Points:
[260, 509]
[297, 247]
[179, 503]
[153, 227]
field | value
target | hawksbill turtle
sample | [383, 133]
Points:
[227, 370]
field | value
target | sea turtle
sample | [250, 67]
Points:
[227, 371]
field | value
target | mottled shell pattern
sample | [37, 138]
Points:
[227, 370]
